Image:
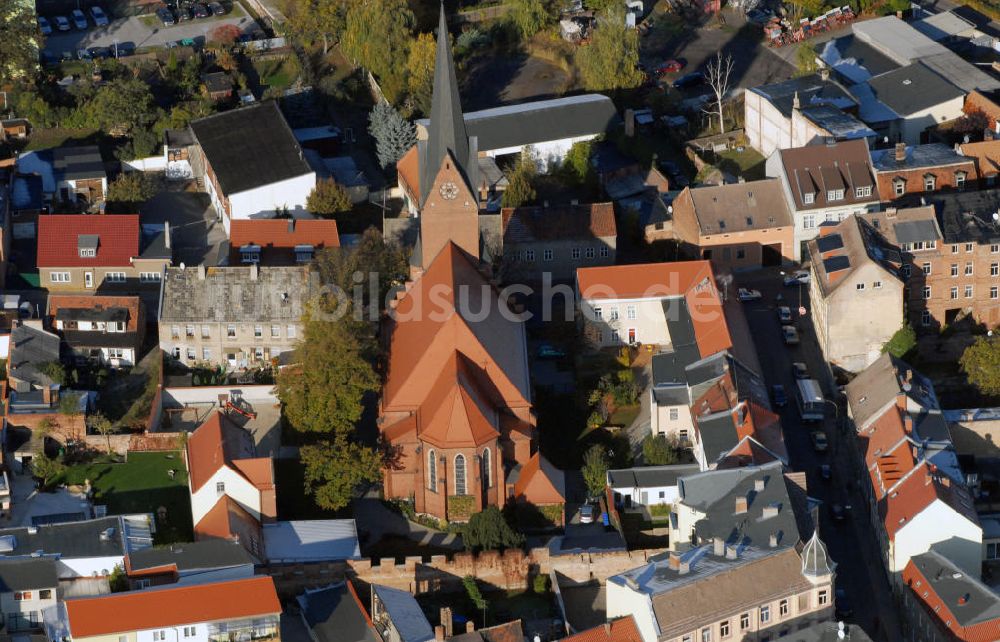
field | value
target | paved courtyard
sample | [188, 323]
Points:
[196, 236]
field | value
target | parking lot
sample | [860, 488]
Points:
[143, 31]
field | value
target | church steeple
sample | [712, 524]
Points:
[446, 132]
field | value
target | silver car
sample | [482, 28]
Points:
[79, 19]
[100, 18]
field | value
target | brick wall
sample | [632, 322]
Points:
[512, 570]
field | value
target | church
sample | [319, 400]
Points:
[456, 406]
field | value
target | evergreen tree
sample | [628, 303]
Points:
[20, 41]
[487, 530]
[393, 134]
[981, 364]
[595, 470]
[611, 59]
[328, 198]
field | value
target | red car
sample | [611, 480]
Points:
[670, 67]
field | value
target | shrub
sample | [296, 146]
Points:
[540, 584]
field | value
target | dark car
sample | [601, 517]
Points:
[183, 13]
[839, 512]
[98, 53]
[166, 16]
[778, 395]
[83, 54]
[549, 351]
[825, 472]
[200, 11]
[689, 80]
[843, 609]
[123, 49]
[217, 8]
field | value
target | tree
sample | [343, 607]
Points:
[45, 469]
[393, 134]
[520, 181]
[122, 106]
[101, 425]
[487, 530]
[717, 77]
[334, 468]
[225, 34]
[420, 71]
[372, 255]
[972, 123]
[902, 342]
[323, 392]
[576, 167]
[528, 16]
[657, 450]
[20, 41]
[981, 364]
[595, 469]
[69, 404]
[130, 190]
[611, 59]
[318, 20]
[377, 36]
[804, 8]
[54, 370]
[805, 60]
[328, 198]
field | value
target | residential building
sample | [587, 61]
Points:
[240, 317]
[106, 254]
[799, 112]
[107, 330]
[986, 156]
[824, 183]
[921, 98]
[944, 603]
[209, 560]
[397, 616]
[828, 632]
[622, 629]
[648, 485]
[26, 204]
[549, 127]
[460, 431]
[280, 241]
[738, 226]
[919, 170]
[32, 384]
[27, 587]
[79, 174]
[963, 256]
[252, 165]
[213, 612]
[84, 551]
[334, 613]
[745, 552]
[218, 85]
[232, 490]
[853, 270]
[916, 490]
[555, 241]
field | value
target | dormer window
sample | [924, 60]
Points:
[303, 253]
[863, 192]
[88, 252]
[808, 198]
[86, 245]
[835, 195]
[250, 253]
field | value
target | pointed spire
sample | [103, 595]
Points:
[816, 563]
[446, 132]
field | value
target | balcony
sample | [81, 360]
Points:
[244, 630]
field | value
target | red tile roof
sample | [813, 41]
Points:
[58, 239]
[168, 607]
[218, 442]
[540, 482]
[284, 233]
[228, 520]
[620, 630]
[562, 222]
[978, 604]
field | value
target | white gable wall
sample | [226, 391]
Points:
[236, 487]
[263, 201]
[950, 533]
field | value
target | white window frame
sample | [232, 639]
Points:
[115, 277]
[149, 277]
[60, 277]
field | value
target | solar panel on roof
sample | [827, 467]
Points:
[829, 243]
[836, 264]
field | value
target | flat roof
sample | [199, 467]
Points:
[311, 540]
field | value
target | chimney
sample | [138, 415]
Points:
[962, 599]
[908, 422]
[741, 504]
[773, 540]
[824, 73]
[446, 622]
[470, 626]
[900, 152]
[890, 212]
[166, 234]
[201, 272]
[718, 546]
[731, 552]
[291, 226]
[796, 103]
[758, 485]
[684, 568]
[439, 633]
[674, 561]
[253, 271]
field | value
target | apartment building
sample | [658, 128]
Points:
[27, 587]
[106, 330]
[908, 170]
[943, 603]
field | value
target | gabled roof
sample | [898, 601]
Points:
[404, 613]
[737, 207]
[817, 169]
[59, 239]
[172, 606]
[878, 385]
[923, 486]
[457, 412]
[850, 245]
[219, 443]
[28, 574]
[623, 629]
[250, 147]
[334, 613]
[283, 233]
[985, 153]
[29, 349]
[228, 520]
[428, 326]
[561, 222]
[811, 89]
[65, 307]
[962, 606]
[189, 556]
[540, 482]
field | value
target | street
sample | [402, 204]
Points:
[851, 542]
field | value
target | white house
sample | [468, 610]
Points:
[252, 165]
[27, 587]
[648, 485]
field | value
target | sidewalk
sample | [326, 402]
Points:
[377, 521]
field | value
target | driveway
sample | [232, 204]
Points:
[196, 236]
[144, 31]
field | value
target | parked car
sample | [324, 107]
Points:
[800, 277]
[62, 24]
[825, 472]
[166, 16]
[759, 16]
[843, 609]
[549, 351]
[123, 49]
[183, 13]
[692, 79]
[587, 514]
[670, 67]
[217, 8]
[44, 26]
[790, 334]
[79, 20]
[838, 512]
[784, 314]
[778, 395]
[98, 53]
[800, 370]
[820, 443]
[200, 11]
[100, 18]
[748, 295]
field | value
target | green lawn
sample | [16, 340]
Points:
[141, 485]
[47, 138]
[277, 73]
[624, 416]
[749, 163]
